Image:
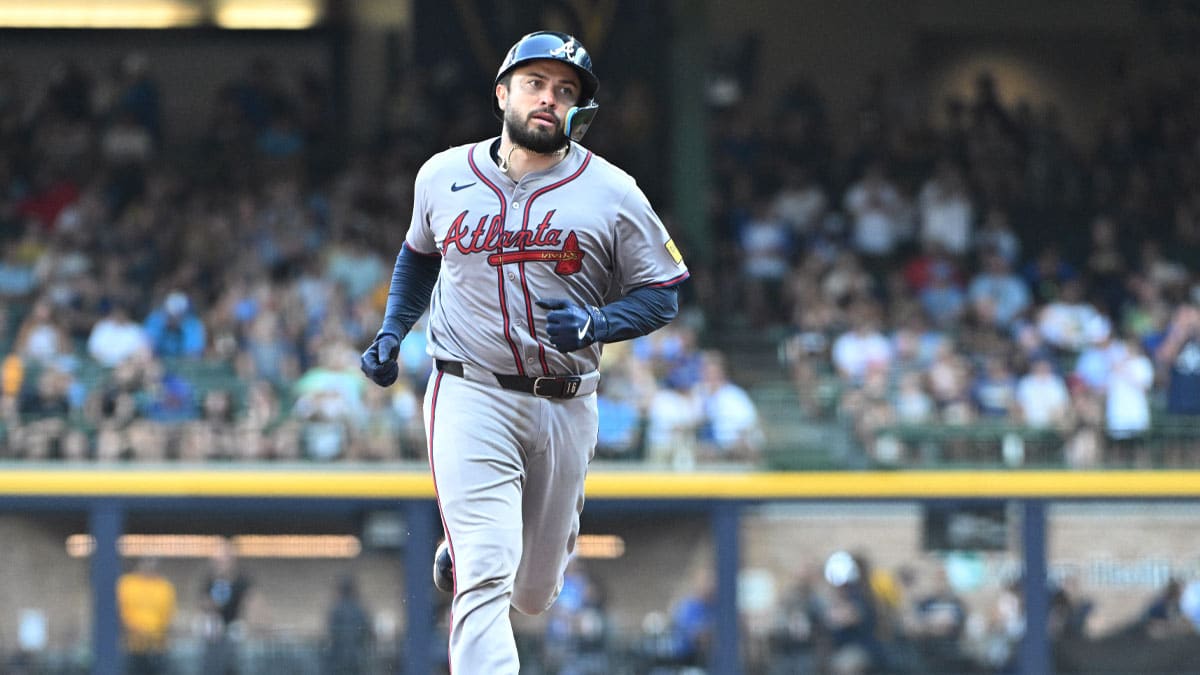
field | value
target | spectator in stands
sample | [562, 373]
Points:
[801, 202]
[114, 400]
[673, 420]
[1048, 274]
[997, 295]
[1127, 404]
[943, 299]
[731, 430]
[1160, 268]
[42, 339]
[261, 408]
[846, 280]
[578, 628]
[878, 212]
[354, 265]
[1069, 610]
[949, 379]
[996, 234]
[348, 632]
[869, 410]
[196, 443]
[863, 347]
[1003, 629]
[76, 445]
[1178, 358]
[620, 432]
[223, 599]
[1043, 397]
[1163, 617]
[994, 391]
[269, 350]
[765, 247]
[117, 337]
[166, 395]
[146, 603]
[851, 616]
[49, 397]
[945, 209]
[17, 279]
[147, 441]
[329, 400]
[798, 639]
[940, 620]
[112, 444]
[218, 410]
[1069, 323]
[1107, 266]
[692, 623]
[127, 147]
[379, 434]
[174, 329]
[1146, 312]
[913, 405]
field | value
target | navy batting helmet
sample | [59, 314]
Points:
[558, 47]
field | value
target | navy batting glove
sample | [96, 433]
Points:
[570, 326]
[379, 361]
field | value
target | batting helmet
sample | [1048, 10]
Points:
[558, 47]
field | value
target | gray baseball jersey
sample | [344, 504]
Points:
[508, 467]
[582, 230]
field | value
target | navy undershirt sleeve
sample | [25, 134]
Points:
[639, 313]
[412, 286]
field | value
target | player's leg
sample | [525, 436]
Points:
[477, 471]
[553, 500]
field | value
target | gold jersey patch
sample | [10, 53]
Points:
[674, 251]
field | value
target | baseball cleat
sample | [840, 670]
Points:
[443, 568]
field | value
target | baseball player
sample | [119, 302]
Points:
[530, 252]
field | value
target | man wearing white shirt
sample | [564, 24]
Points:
[858, 350]
[1043, 396]
[116, 337]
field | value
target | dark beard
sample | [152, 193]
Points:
[539, 140]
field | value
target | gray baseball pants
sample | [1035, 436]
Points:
[509, 471]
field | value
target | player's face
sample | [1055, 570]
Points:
[536, 104]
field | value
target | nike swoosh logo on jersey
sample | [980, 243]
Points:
[583, 331]
[455, 188]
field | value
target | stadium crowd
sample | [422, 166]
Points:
[985, 271]
[206, 302]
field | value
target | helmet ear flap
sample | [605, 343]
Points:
[579, 119]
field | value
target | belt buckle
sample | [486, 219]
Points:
[556, 387]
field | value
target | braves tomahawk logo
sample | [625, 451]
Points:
[567, 49]
[515, 246]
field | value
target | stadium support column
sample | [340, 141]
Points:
[1035, 646]
[105, 522]
[726, 523]
[687, 124]
[420, 516]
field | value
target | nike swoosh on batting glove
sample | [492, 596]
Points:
[570, 326]
[379, 361]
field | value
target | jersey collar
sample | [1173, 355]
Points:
[482, 154]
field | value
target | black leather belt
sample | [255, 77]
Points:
[550, 386]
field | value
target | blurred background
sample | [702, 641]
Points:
[942, 336]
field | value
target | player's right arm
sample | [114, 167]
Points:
[413, 279]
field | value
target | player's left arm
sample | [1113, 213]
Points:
[642, 311]
[647, 264]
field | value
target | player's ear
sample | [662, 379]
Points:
[502, 94]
